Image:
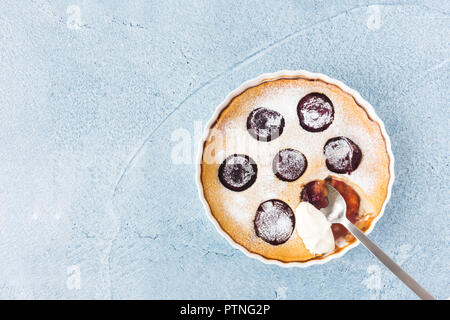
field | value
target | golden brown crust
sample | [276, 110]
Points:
[235, 211]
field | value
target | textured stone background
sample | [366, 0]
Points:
[91, 92]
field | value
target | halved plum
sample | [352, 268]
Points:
[238, 172]
[265, 124]
[274, 221]
[316, 193]
[315, 112]
[342, 155]
[289, 164]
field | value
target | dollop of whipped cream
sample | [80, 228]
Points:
[314, 229]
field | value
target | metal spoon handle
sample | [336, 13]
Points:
[388, 262]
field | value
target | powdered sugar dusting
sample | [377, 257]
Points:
[283, 97]
[289, 164]
[285, 100]
[339, 150]
[316, 112]
[265, 124]
[343, 155]
[274, 222]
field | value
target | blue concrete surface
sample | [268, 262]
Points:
[91, 92]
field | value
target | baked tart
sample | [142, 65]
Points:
[274, 143]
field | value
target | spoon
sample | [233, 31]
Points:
[335, 213]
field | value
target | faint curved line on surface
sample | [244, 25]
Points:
[235, 65]
[438, 66]
[414, 81]
[248, 59]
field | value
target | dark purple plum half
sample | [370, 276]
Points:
[315, 112]
[274, 222]
[342, 155]
[289, 164]
[265, 124]
[238, 172]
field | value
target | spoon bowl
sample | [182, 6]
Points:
[336, 209]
